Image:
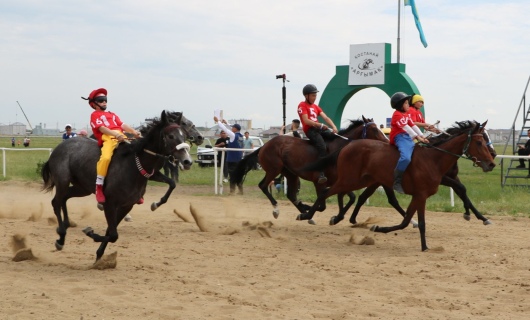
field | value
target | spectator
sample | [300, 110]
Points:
[13, 142]
[295, 125]
[232, 157]
[68, 132]
[247, 143]
[83, 133]
[26, 142]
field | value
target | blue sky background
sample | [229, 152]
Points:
[197, 56]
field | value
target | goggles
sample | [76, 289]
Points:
[100, 99]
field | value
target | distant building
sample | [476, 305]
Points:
[39, 130]
[13, 129]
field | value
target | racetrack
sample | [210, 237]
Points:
[242, 267]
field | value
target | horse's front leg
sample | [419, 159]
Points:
[461, 192]
[264, 186]
[393, 201]
[159, 177]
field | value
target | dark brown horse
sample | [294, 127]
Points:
[450, 179]
[365, 163]
[288, 156]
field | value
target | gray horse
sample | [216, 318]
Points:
[71, 169]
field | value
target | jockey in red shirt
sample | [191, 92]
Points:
[416, 102]
[108, 130]
[309, 112]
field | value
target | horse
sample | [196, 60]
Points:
[450, 179]
[71, 170]
[172, 165]
[287, 155]
[363, 163]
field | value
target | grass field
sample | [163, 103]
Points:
[483, 189]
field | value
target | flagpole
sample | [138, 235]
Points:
[399, 26]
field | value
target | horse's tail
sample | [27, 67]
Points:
[46, 177]
[244, 166]
[323, 163]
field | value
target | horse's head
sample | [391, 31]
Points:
[489, 143]
[477, 148]
[192, 134]
[363, 129]
[165, 137]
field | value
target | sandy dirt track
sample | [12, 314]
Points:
[245, 268]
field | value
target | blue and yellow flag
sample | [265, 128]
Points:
[412, 4]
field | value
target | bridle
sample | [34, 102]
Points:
[465, 154]
[170, 158]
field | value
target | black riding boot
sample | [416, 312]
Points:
[398, 176]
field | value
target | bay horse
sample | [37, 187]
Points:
[450, 179]
[71, 170]
[363, 163]
[288, 156]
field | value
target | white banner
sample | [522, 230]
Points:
[367, 62]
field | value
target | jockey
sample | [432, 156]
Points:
[416, 102]
[108, 131]
[308, 112]
[402, 132]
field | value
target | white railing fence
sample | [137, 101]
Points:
[15, 149]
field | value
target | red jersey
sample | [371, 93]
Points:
[104, 119]
[399, 120]
[416, 115]
[312, 111]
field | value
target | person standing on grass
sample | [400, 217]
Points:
[232, 157]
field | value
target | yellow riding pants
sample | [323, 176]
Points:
[109, 144]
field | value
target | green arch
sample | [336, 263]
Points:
[338, 92]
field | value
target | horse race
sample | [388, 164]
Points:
[290, 161]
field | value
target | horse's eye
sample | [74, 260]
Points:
[170, 136]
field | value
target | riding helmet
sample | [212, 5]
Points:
[397, 99]
[94, 94]
[416, 98]
[309, 88]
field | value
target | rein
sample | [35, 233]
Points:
[464, 152]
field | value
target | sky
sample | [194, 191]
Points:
[198, 56]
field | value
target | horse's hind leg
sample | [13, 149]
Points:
[57, 204]
[342, 209]
[293, 183]
[461, 192]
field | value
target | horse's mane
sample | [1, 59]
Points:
[353, 125]
[458, 128]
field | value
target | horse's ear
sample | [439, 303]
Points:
[178, 119]
[484, 124]
[164, 117]
[364, 119]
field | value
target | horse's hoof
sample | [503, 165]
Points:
[88, 231]
[415, 224]
[276, 213]
[467, 217]
[299, 217]
[487, 222]
[332, 221]
[373, 228]
[311, 221]
[154, 206]
[100, 206]
[58, 246]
